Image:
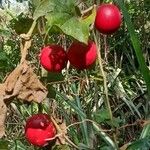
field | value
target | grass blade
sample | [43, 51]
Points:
[136, 44]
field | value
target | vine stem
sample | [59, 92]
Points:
[32, 28]
[27, 44]
[104, 75]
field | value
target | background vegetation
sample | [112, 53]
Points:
[78, 97]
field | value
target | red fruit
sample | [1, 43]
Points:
[53, 58]
[82, 56]
[39, 129]
[108, 18]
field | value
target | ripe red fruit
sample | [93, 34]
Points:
[108, 18]
[82, 56]
[53, 58]
[39, 128]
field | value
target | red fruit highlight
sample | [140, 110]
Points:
[53, 58]
[39, 129]
[82, 56]
[108, 18]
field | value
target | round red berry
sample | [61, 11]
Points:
[108, 18]
[53, 58]
[82, 56]
[39, 130]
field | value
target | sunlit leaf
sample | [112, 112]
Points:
[142, 144]
[66, 19]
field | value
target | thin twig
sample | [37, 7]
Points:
[88, 120]
[62, 134]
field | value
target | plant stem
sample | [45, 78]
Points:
[27, 43]
[107, 103]
[32, 28]
[104, 77]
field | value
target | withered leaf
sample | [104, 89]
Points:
[23, 84]
[3, 110]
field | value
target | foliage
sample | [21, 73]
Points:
[77, 98]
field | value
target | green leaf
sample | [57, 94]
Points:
[36, 3]
[105, 148]
[47, 6]
[66, 19]
[145, 132]
[142, 144]
[21, 24]
[3, 56]
[4, 32]
[101, 116]
[18, 145]
[51, 91]
[65, 15]
[71, 104]
[83, 126]
[83, 146]
[115, 123]
[105, 137]
[54, 77]
[73, 26]
[76, 28]
[4, 145]
[43, 8]
[61, 147]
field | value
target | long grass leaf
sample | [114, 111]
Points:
[72, 105]
[136, 45]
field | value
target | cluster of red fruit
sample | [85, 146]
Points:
[39, 128]
[54, 58]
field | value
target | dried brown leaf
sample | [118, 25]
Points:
[23, 84]
[3, 110]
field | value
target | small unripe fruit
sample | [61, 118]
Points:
[53, 58]
[82, 56]
[108, 18]
[39, 129]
